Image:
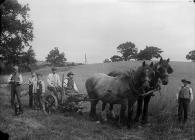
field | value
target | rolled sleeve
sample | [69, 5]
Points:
[75, 87]
[191, 95]
[49, 81]
[177, 94]
[21, 79]
[9, 78]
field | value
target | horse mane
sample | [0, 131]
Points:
[123, 75]
[130, 74]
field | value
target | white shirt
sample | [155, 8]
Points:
[191, 94]
[53, 80]
[20, 79]
[33, 81]
[66, 82]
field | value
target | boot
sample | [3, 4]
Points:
[21, 109]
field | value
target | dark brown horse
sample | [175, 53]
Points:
[118, 90]
[162, 70]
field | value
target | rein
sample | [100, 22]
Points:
[155, 88]
[149, 92]
[155, 83]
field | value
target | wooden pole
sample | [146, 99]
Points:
[85, 59]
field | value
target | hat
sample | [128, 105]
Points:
[33, 74]
[186, 81]
[53, 68]
[15, 67]
[39, 74]
[70, 73]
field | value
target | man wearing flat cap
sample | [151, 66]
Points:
[184, 98]
[69, 84]
[53, 81]
[72, 92]
[15, 80]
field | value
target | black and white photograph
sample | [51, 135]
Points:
[97, 70]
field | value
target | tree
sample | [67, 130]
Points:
[29, 57]
[106, 60]
[128, 50]
[16, 32]
[148, 53]
[116, 58]
[191, 55]
[56, 58]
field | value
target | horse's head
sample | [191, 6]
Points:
[162, 69]
[145, 75]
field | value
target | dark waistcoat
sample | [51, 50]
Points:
[184, 93]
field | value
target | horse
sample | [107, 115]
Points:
[162, 69]
[118, 90]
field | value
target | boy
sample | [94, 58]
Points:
[184, 98]
[70, 85]
[15, 79]
[32, 88]
[39, 101]
[72, 91]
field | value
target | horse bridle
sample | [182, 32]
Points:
[156, 86]
[134, 86]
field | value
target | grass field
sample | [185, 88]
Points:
[162, 111]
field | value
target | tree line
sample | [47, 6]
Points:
[129, 51]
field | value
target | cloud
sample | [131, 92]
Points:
[97, 27]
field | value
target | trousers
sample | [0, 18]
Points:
[31, 96]
[183, 109]
[15, 91]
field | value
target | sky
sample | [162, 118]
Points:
[97, 27]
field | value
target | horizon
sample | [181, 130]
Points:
[96, 28]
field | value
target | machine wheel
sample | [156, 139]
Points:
[51, 103]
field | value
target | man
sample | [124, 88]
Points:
[184, 98]
[72, 92]
[15, 79]
[70, 85]
[32, 88]
[53, 81]
[39, 95]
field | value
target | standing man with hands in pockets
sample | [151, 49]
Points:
[184, 98]
[15, 80]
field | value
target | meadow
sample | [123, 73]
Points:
[162, 111]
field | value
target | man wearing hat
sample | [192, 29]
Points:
[15, 79]
[72, 92]
[53, 81]
[69, 84]
[184, 98]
